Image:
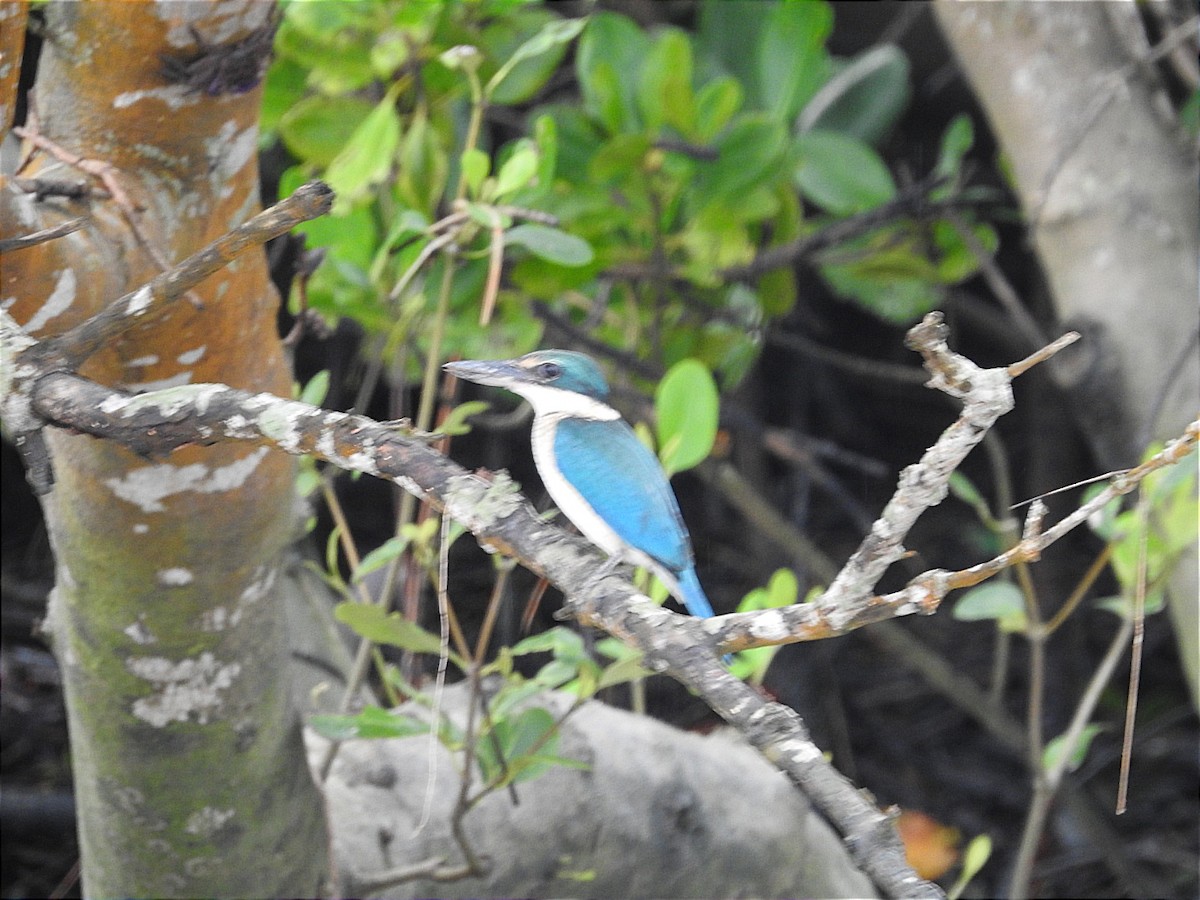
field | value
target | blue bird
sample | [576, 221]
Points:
[597, 471]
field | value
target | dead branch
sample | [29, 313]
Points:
[685, 648]
[40, 237]
[72, 347]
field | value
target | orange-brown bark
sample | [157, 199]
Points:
[164, 619]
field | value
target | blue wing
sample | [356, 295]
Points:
[623, 482]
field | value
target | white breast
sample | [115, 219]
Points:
[571, 503]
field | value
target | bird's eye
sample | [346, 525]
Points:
[549, 370]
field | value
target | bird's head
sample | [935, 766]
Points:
[554, 381]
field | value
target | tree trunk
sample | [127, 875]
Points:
[189, 766]
[1107, 177]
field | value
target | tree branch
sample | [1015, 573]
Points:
[69, 349]
[686, 648]
[40, 237]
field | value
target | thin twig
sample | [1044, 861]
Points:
[1135, 657]
[40, 237]
[1000, 286]
[434, 868]
[1048, 779]
[72, 347]
[439, 683]
[106, 172]
[1042, 355]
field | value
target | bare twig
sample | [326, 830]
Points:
[40, 237]
[106, 173]
[1135, 660]
[72, 347]
[846, 362]
[1000, 286]
[434, 868]
[1042, 355]
[912, 201]
[1047, 778]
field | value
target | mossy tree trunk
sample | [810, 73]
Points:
[189, 767]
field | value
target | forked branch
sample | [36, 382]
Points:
[41, 378]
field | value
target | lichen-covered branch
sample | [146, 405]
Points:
[683, 647]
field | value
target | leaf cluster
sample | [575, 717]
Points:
[617, 205]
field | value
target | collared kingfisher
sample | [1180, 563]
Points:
[596, 470]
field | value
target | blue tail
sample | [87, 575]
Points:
[692, 594]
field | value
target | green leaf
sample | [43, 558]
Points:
[533, 62]
[377, 625]
[332, 41]
[1189, 114]
[368, 155]
[283, 89]
[791, 57]
[517, 170]
[545, 134]
[455, 422]
[749, 153]
[423, 166]
[308, 480]
[608, 64]
[558, 672]
[998, 600]
[513, 692]
[976, 855]
[1052, 756]
[901, 301]
[841, 173]
[518, 736]
[686, 407]
[315, 391]
[619, 157]
[475, 167]
[962, 488]
[316, 129]
[1161, 527]
[379, 557]
[487, 216]
[550, 244]
[665, 88]
[727, 34]
[406, 226]
[1103, 522]
[956, 141]
[372, 722]
[611, 109]
[864, 99]
[562, 642]
[623, 671]
[715, 104]
[782, 589]
[389, 52]
[553, 34]
[956, 261]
